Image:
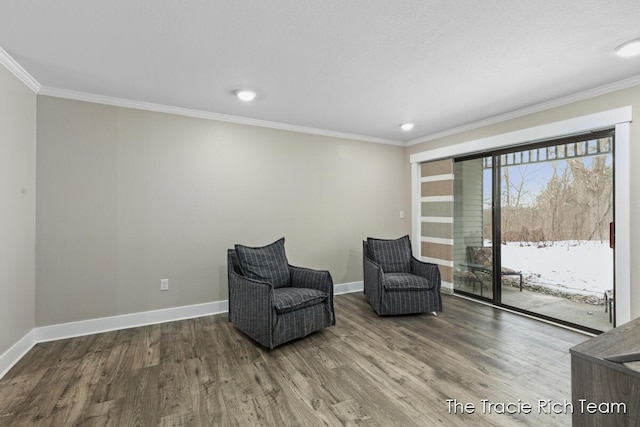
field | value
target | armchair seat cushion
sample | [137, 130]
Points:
[290, 299]
[402, 282]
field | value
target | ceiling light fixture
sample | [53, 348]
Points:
[245, 95]
[407, 126]
[628, 49]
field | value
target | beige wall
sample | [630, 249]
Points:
[609, 101]
[17, 209]
[128, 197]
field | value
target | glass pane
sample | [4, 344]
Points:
[473, 227]
[555, 215]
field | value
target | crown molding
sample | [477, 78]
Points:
[15, 69]
[580, 96]
[148, 106]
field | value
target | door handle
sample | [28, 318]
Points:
[612, 235]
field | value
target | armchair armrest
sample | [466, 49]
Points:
[238, 282]
[308, 278]
[373, 278]
[429, 271]
[250, 300]
[314, 279]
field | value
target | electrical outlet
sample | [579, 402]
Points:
[401, 214]
[164, 284]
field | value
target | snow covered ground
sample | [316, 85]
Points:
[573, 267]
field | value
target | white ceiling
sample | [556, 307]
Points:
[357, 67]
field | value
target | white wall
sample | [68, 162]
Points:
[17, 209]
[128, 197]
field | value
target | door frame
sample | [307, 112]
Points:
[619, 119]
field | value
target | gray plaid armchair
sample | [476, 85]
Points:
[397, 283]
[274, 302]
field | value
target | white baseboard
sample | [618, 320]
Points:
[125, 321]
[347, 288]
[446, 288]
[16, 352]
[133, 320]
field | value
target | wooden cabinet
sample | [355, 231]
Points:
[605, 393]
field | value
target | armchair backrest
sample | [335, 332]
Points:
[233, 264]
[394, 256]
[265, 263]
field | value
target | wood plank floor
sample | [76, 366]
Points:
[365, 370]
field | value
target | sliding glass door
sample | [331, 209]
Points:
[473, 226]
[531, 229]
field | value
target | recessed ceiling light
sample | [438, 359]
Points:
[630, 48]
[407, 126]
[245, 95]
